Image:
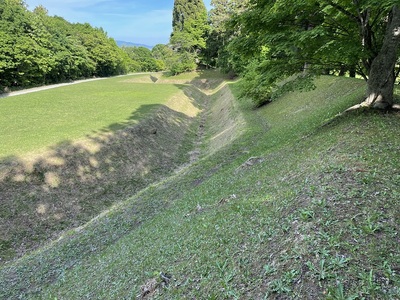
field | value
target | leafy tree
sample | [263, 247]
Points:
[142, 59]
[72, 58]
[163, 55]
[222, 34]
[103, 51]
[190, 16]
[17, 50]
[190, 28]
[316, 36]
[36, 48]
[182, 62]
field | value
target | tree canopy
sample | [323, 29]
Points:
[189, 25]
[39, 49]
[277, 39]
[188, 38]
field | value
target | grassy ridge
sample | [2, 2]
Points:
[35, 121]
[302, 205]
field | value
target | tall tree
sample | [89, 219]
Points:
[222, 33]
[163, 55]
[103, 51]
[72, 58]
[359, 35]
[17, 49]
[189, 25]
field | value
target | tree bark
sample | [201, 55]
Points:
[382, 73]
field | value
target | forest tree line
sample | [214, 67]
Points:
[40, 49]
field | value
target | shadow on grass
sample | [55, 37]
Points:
[75, 181]
[4, 94]
[205, 80]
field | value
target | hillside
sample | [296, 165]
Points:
[289, 201]
[130, 44]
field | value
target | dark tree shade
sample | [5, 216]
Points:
[290, 37]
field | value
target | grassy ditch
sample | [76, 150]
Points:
[298, 203]
[67, 184]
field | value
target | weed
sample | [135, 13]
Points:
[368, 285]
[337, 293]
[321, 271]
[307, 214]
[268, 270]
[284, 283]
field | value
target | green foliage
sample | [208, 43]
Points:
[163, 55]
[253, 84]
[317, 37]
[39, 49]
[182, 62]
[188, 37]
[103, 51]
[189, 11]
[142, 59]
[263, 81]
[222, 35]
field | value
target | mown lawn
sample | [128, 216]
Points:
[303, 204]
[34, 121]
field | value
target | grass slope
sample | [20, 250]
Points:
[70, 183]
[35, 121]
[300, 205]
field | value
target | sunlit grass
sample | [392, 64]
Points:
[38, 120]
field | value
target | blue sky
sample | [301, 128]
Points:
[138, 21]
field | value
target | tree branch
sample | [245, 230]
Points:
[344, 11]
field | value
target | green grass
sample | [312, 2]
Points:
[303, 204]
[71, 182]
[35, 121]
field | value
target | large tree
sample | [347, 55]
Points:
[221, 33]
[361, 36]
[189, 25]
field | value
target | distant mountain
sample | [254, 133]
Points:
[129, 44]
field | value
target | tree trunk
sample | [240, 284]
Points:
[352, 72]
[382, 74]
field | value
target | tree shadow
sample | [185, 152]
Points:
[154, 79]
[4, 94]
[208, 80]
[74, 181]
[204, 80]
